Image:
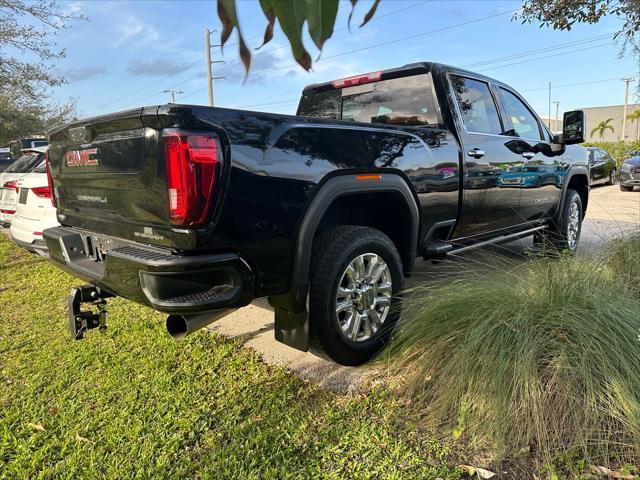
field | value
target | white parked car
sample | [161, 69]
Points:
[28, 161]
[34, 211]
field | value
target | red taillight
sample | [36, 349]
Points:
[11, 185]
[42, 192]
[191, 164]
[38, 234]
[8, 212]
[49, 182]
[357, 80]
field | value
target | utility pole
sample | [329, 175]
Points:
[210, 77]
[549, 117]
[624, 111]
[557, 111]
[173, 94]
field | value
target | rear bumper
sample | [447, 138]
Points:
[153, 276]
[627, 179]
[38, 246]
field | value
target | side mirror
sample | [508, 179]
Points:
[573, 125]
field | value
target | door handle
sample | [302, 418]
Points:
[476, 153]
[528, 155]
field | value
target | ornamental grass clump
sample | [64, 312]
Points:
[535, 360]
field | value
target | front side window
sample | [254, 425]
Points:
[479, 111]
[523, 121]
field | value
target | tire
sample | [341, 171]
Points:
[564, 234]
[334, 251]
[626, 189]
[612, 177]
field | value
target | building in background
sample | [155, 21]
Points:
[551, 123]
[595, 115]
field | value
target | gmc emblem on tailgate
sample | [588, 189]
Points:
[80, 158]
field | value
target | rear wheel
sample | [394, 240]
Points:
[625, 188]
[356, 276]
[612, 176]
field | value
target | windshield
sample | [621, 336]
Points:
[25, 163]
[406, 101]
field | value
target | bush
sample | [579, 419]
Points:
[620, 151]
[541, 358]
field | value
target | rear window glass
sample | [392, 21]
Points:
[400, 101]
[26, 163]
[478, 110]
[41, 167]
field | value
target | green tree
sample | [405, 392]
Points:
[602, 127]
[18, 121]
[320, 17]
[29, 27]
[564, 14]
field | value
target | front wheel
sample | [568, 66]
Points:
[356, 279]
[626, 188]
[564, 234]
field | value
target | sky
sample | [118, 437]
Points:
[128, 52]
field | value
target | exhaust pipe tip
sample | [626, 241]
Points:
[177, 326]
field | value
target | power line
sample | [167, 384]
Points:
[149, 85]
[377, 17]
[539, 50]
[383, 44]
[542, 50]
[546, 56]
[572, 84]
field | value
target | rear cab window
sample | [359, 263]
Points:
[476, 105]
[406, 101]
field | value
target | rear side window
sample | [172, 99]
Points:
[523, 121]
[477, 107]
[400, 101]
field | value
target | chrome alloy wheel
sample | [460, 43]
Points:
[573, 225]
[363, 297]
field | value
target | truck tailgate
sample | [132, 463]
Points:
[108, 177]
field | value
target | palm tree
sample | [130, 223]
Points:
[602, 127]
[634, 117]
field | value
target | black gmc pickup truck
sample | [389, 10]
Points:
[196, 211]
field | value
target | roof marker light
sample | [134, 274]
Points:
[364, 178]
[357, 80]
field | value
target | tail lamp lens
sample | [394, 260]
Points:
[11, 185]
[191, 164]
[42, 192]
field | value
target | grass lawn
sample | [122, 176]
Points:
[132, 402]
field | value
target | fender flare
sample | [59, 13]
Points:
[574, 170]
[291, 307]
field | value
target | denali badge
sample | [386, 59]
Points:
[92, 198]
[79, 158]
[148, 233]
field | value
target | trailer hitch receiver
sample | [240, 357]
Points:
[80, 321]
